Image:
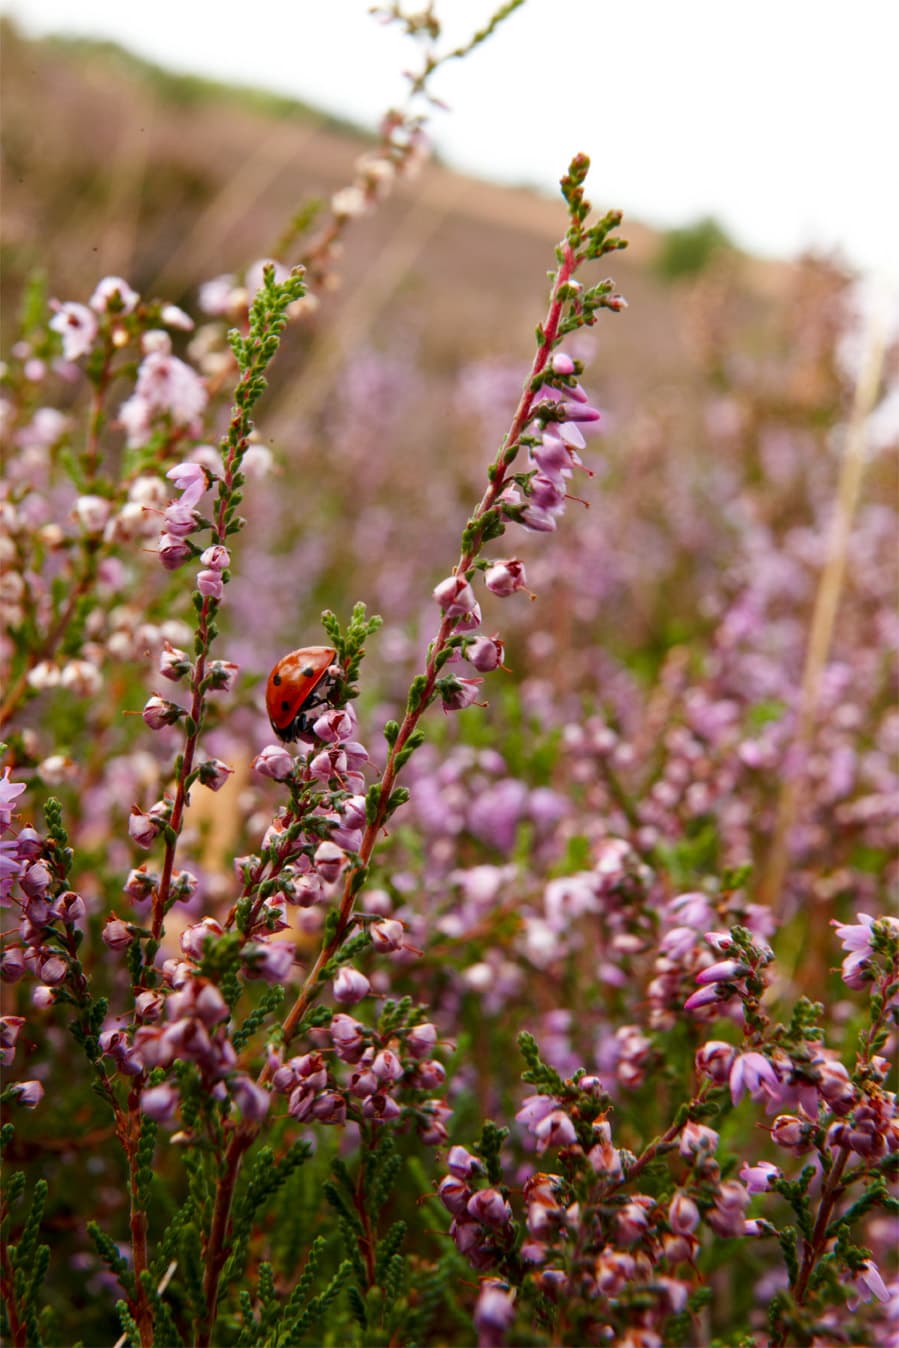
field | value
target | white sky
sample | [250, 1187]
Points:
[776, 116]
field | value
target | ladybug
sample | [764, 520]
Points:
[298, 685]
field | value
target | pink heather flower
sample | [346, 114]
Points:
[190, 479]
[792, 1133]
[387, 1066]
[706, 996]
[173, 663]
[193, 938]
[727, 1217]
[380, 1108]
[350, 986]
[631, 1222]
[725, 971]
[485, 653]
[9, 1033]
[683, 1214]
[334, 725]
[456, 694]
[210, 584]
[454, 1195]
[758, 1177]
[455, 596]
[329, 861]
[28, 1093]
[420, 1041]
[329, 1108]
[214, 773]
[252, 1100]
[269, 960]
[274, 761]
[534, 1109]
[554, 1130]
[714, 1060]
[143, 827]
[173, 552]
[78, 328]
[430, 1074]
[562, 363]
[113, 295]
[489, 1207]
[140, 885]
[505, 577]
[386, 935]
[12, 964]
[217, 558]
[348, 1038]
[160, 1102]
[9, 791]
[173, 317]
[54, 970]
[869, 1283]
[158, 712]
[165, 386]
[752, 1073]
[116, 934]
[695, 1138]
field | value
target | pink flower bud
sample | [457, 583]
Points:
[158, 712]
[217, 558]
[455, 596]
[274, 761]
[454, 1195]
[214, 773]
[160, 1102]
[485, 653]
[116, 934]
[329, 861]
[420, 1041]
[504, 578]
[350, 986]
[210, 584]
[173, 552]
[562, 363]
[174, 664]
[456, 694]
[386, 935]
[683, 1214]
[714, 1060]
[222, 675]
[489, 1207]
[28, 1093]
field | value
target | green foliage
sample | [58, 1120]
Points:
[689, 250]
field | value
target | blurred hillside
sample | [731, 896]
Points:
[386, 403]
[114, 166]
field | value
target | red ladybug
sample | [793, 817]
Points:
[297, 687]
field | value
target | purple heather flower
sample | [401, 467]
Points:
[706, 996]
[117, 934]
[725, 971]
[420, 1041]
[534, 1109]
[454, 1195]
[274, 761]
[554, 1130]
[869, 1283]
[714, 1060]
[695, 1138]
[329, 1108]
[489, 1207]
[160, 1102]
[222, 675]
[463, 1164]
[752, 1073]
[562, 363]
[683, 1214]
[158, 712]
[792, 1133]
[271, 961]
[348, 1038]
[380, 1108]
[758, 1177]
[252, 1100]
[387, 1066]
[350, 986]
[9, 1032]
[386, 935]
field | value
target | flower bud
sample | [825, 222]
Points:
[350, 986]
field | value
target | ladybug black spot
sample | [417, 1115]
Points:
[285, 706]
[308, 672]
[276, 680]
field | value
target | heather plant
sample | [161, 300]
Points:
[445, 1021]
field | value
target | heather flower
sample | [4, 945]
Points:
[696, 1138]
[554, 1130]
[504, 578]
[117, 934]
[420, 1041]
[78, 328]
[350, 986]
[173, 552]
[454, 1195]
[253, 1101]
[455, 596]
[158, 712]
[210, 583]
[792, 1133]
[213, 773]
[329, 861]
[386, 935]
[9, 1032]
[752, 1073]
[758, 1177]
[274, 761]
[113, 295]
[456, 693]
[28, 1093]
[9, 791]
[160, 1103]
[714, 1060]
[683, 1214]
[485, 653]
